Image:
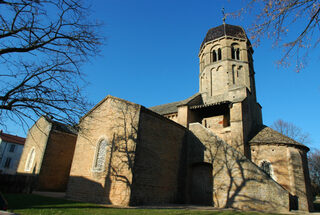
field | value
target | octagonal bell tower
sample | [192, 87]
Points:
[226, 65]
[227, 77]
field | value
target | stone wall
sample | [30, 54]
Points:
[53, 156]
[218, 79]
[56, 164]
[159, 162]
[308, 188]
[215, 123]
[299, 185]
[252, 121]
[36, 139]
[115, 121]
[236, 127]
[245, 120]
[237, 182]
[277, 156]
[288, 168]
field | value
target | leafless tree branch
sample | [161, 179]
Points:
[42, 47]
[278, 19]
[292, 131]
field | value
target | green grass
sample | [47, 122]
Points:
[34, 204]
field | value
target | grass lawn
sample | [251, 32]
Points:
[34, 204]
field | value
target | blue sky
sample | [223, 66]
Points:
[151, 57]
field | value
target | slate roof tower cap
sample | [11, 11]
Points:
[224, 30]
[269, 136]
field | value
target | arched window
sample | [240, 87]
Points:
[30, 159]
[235, 52]
[214, 56]
[100, 157]
[219, 54]
[266, 167]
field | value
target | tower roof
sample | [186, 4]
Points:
[224, 30]
[269, 136]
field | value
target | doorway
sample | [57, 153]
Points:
[201, 184]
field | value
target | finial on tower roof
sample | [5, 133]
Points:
[224, 16]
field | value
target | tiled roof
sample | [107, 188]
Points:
[12, 138]
[269, 136]
[210, 104]
[224, 30]
[196, 99]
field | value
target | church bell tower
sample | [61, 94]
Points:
[227, 77]
[226, 67]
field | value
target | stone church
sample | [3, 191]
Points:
[209, 149]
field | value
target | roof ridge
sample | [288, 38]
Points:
[173, 106]
[267, 127]
[12, 138]
[60, 126]
[268, 135]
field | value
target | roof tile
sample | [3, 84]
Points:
[224, 30]
[196, 99]
[269, 136]
[12, 138]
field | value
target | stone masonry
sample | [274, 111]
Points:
[48, 153]
[209, 149]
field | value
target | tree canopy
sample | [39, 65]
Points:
[291, 24]
[43, 44]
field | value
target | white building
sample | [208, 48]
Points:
[10, 152]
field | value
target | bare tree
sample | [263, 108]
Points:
[279, 20]
[43, 44]
[292, 131]
[314, 169]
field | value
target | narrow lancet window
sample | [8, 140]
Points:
[237, 54]
[214, 56]
[30, 159]
[100, 156]
[233, 53]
